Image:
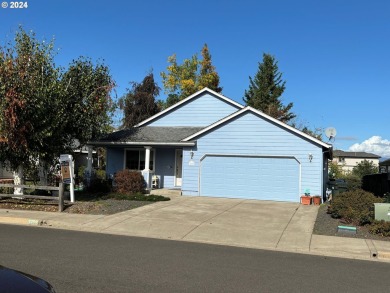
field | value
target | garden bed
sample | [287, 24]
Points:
[326, 225]
[92, 204]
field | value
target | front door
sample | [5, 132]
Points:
[178, 168]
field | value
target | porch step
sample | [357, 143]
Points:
[166, 192]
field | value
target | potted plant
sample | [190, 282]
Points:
[317, 200]
[306, 199]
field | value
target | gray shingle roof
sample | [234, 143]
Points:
[339, 153]
[385, 163]
[151, 134]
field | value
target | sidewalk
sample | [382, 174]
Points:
[231, 222]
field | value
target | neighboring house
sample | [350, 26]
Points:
[349, 160]
[80, 157]
[209, 145]
[384, 166]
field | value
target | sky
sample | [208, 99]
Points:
[334, 55]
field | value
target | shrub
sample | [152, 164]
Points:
[81, 173]
[380, 228]
[99, 185]
[96, 181]
[355, 206]
[6, 190]
[353, 182]
[386, 197]
[100, 174]
[129, 182]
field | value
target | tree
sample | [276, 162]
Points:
[363, 168]
[265, 90]
[335, 171]
[181, 81]
[87, 101]
[139, 103]
[42, 108]
[208, 76]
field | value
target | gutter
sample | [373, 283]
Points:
[148, 143]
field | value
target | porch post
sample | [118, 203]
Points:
[89, 160]
[147, 158]
[146, 171]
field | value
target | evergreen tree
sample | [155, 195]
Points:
[266, 89]
[140, 101]
[208, 76]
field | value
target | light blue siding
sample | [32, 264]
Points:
[199, 111]
[164, 158]
[115, 160]
[165, 166]
[251, 134]
[266, 178]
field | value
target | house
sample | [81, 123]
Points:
[349, 160]
[210, 145]
[384, 166]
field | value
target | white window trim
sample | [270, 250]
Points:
[139, 149]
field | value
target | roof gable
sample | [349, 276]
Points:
[266, 117]
[203, 108]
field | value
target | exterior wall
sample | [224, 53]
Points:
[115, 160]
[253, 135]
[164, 164]
[165, 167]
[200, 111]
[350, 163]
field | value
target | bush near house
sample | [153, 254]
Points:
[353, 182]
[354, 207]
[380, 228]
[129, 182]
[98, 182]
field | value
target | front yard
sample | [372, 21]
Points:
[326, 225]
[93, 204]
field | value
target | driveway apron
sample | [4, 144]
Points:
[236, 222]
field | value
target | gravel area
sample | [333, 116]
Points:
[98, 207]
[326, 225]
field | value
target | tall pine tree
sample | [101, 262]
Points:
[140, 101]
[266, 90]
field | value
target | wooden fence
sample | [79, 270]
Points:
[379, 184]
[60, 190]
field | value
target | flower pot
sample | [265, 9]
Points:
[306, 200]
[317, 200]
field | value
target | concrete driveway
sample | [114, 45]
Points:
[237, 222]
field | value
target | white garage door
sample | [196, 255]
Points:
[251, 177]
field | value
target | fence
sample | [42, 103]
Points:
[60, 190]
[378, 184]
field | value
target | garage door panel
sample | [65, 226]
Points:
[267, 178]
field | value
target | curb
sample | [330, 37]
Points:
[384, 255]
[22, 221]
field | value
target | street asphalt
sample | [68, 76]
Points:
[279, 226]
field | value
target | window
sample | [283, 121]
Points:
[135, 159]
[341, 160]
